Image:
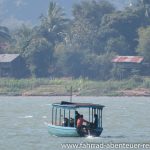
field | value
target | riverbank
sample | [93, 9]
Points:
[61, 87]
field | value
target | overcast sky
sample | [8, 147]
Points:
[15, 12]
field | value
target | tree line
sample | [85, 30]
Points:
[83, 45]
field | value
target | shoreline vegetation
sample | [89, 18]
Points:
[135, 86]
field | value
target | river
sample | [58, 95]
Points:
[23, 122]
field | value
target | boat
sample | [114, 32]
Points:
[64, 119]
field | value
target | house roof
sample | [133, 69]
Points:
[128, 59]
[8, 57]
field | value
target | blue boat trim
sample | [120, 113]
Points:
[62, 131]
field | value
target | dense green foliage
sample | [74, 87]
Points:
[84, 45]
[5, 37]
[144, 43]
[84, 87]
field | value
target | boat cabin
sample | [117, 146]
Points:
[64, 117]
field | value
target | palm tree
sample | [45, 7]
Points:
[5, 39]
[22, 38]
[53, 26]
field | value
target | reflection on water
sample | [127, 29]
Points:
[23, 122]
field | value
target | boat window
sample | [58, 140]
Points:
[68, 118]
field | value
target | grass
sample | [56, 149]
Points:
[45, 86]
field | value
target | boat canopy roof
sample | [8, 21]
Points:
[70, 105]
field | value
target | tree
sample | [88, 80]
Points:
[110, 40]
[83, 35]
[38, 55]
[69, 62]
[92, 11]
[127, 23]
[53, 26]
[119, 72]
[21, 39]
[144, 41]
[97, 66]
[5, 38]
[79, 63]
[35, 49]
[117, 45]
[86, 23]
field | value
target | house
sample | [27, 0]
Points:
[129, 61]
[130, 65]
[12, 65]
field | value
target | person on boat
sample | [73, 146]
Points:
[81, 129]
[80, 122]
[95, 125]
[71, 122]
[77, 116]
[65, 123]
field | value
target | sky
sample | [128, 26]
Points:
[16, 12]
[13, 13]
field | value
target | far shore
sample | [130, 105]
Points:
[136, 86]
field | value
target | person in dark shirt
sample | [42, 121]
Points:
[95, 121]
[65, 123]
[77, 116]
